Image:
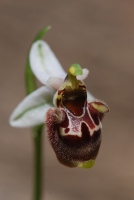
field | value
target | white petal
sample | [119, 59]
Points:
[44, 63]
[54, 82]
[31, 111]
[90, 97]
[84, 75]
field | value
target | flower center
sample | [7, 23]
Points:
[72, 94]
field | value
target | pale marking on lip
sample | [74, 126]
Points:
[78, 132]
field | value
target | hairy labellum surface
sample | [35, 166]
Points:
[74, 125]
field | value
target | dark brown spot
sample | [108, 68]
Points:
[65, 123]
[85, 132]
[96, 135]
[67, 130]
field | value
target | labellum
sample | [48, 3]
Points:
[74, 125]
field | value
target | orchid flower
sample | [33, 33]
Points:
[71, 114]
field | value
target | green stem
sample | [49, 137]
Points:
[37, 137]
[37, 134]
[30, 82]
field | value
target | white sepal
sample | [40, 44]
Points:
[32, 110]
[44, 63]
[54, 82]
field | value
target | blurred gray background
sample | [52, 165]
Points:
[98, 35]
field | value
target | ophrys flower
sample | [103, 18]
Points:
[74, 126]
[72, 116]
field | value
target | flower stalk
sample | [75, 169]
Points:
[30, 82]
[37, 138]
[38, 173]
